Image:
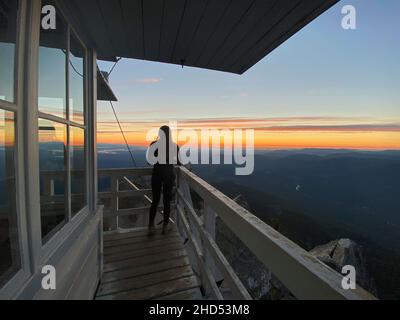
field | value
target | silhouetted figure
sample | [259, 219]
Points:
[163, 176]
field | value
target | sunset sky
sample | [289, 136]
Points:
[324, 88]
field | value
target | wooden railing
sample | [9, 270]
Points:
[113, 212]
[302, 274]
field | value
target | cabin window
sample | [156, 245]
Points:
[53, 175]
[9, 248]
[78, 172]
[77, 134]
[8, 16]
[62, 130]
[76, 80]
[52, 70]
[10, 261]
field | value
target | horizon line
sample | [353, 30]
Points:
[273, 148]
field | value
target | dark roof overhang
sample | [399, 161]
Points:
[225, 35]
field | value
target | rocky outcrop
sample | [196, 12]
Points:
[339, 253]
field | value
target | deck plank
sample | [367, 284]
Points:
[173, 246]
[143, 270]
[144, 280]
[140, 232]
[137, 245]
[143, 260]
[141, 239]
[155, 291]
[191, 294]
[137, 266]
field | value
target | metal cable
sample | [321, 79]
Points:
[112, 68]
[123, 134]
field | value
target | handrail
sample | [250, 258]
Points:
[303, 274]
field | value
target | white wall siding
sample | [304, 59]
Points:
[78, 264]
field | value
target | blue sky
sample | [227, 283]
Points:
[322, 71]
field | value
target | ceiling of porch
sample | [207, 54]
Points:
[224, 35]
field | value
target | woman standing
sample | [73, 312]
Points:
[163, 176]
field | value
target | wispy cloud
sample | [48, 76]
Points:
[148, 80]
[134, 113]
[284, 124]
[240, 95]
[395, 127]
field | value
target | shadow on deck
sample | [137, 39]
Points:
[140, 267]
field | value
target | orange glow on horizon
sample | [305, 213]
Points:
[278, 132]
[264, 139]
[329, 140]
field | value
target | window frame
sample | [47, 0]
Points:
[5, 103]
[48, 242]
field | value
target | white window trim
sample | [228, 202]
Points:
[54, 241]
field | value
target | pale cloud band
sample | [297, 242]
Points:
[328, 124]
[148, 80]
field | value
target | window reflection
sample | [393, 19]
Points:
[52, 71]
[9, 249]
[53, 176]
[76, 80]
[78, 169]
[8, 18]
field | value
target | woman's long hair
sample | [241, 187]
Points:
[166, 131]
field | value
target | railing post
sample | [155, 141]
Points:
[179, 223]
[185, 189]
[180, 187]
[177, 216]
[114, 202]
[199, 261]
[209, 223]
[48, 188]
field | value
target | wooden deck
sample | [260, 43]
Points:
[140, 267]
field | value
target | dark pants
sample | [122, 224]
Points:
[164, 181]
